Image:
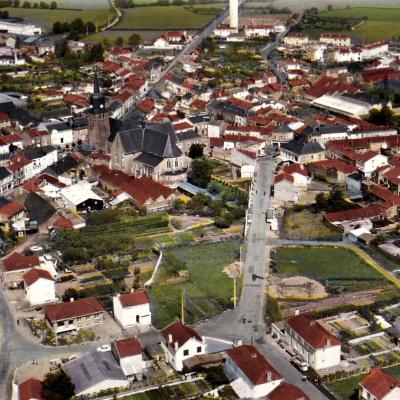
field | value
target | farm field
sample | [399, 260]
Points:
[383, 23]
[79, 4]
[165, 17]
[334, 266]
[296, 5]
[208, 290]
[46, 18]
[307, 225]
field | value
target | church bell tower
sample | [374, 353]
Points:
[98, 118]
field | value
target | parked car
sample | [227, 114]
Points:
[104, 348]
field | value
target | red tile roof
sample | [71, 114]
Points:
[295, 169]
[72, 309]
[10, 209]
[4, 117]
[283, 177]
[337, 164]
[31, 389]
[180, 333]
[312, 332]
[371, 211]
[253, 364]
[62, 223]
[7, 139]
[182, 126]
[128, 347]
[133, 299]
[35, 274]
[390, 199]
[286, 391]
[146, 105]
[330, 85]
[17, 261]
[379, 383]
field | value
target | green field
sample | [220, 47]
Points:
[383, 23]
[335, 266]
[46, 18]
[164, 17]
[307, 225]
[86, 4]
[209, 291]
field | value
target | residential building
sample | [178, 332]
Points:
[130, 356]
[296, 39]
[30, 389]
[39, 287]
[302, 151]
[81, 197]
[379, 385]
[132, 309]
[94, 372]
[286, 391]
[74, 315]
[179, 343]
[14, 267]
[253, 376]
[309, 339]
[335, 39]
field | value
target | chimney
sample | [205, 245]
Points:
[170, 340]
[269, 376]
[176, 345]
[328, 342]
[71, 299]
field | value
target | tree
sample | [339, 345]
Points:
[26, 4]
[201, 172]
[385, 116]
[119, 41]
[53, 5]
[61, 48]
[16, 3]
[135, 39]
[96, 53]
[57, 27]
[329, 7]
[77, 26]
[198, 202]
[43, 5]
[57, 386]
[70, 293]
[90, 27]
[196, 151]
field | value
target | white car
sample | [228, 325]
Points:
[36, 249]
[104, 348]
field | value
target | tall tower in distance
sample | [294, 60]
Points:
[234, 14]
[98, 118]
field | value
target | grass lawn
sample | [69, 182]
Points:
[185, 390]
[383, 22]
[162, 17]
[307, 225]
[46, 18]
[209, 290]
[341, 266]
[110, 36]
[395, 371]
[347, 389]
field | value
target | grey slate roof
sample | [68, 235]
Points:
[299, 147]
[92, 368]
[37, 152]
[4, 173]
[39, 209]
[148, 159]
[63, 165]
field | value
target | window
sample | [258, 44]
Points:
[168, 164]
[199, 349]
[185, 352]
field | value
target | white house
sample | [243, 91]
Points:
[253, 376]
[258, 31]
[39, 287]
[379, 385]
[336, 39]
[61, 133]
[368, 162]
[374, 50]
[296, 39]
[344, 55]
[132, 309]
[129, 354]
[309, 339]
[224, 31]
[285, 188]
[179, 343]
[80, 197]
[20, 29]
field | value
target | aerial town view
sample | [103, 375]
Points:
[199, 199]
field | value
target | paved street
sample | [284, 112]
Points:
[246, 322]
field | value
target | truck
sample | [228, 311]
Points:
[270, 215]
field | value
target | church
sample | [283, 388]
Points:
[135, 146]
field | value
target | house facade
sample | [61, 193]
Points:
[132, 309]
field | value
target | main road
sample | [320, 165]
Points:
[246, 322]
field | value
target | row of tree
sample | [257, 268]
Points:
[27, 4]
[75, 27]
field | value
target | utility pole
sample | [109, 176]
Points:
[183, 306]
[234, 293]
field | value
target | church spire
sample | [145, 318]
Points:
[96, 86]
[97, 99]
